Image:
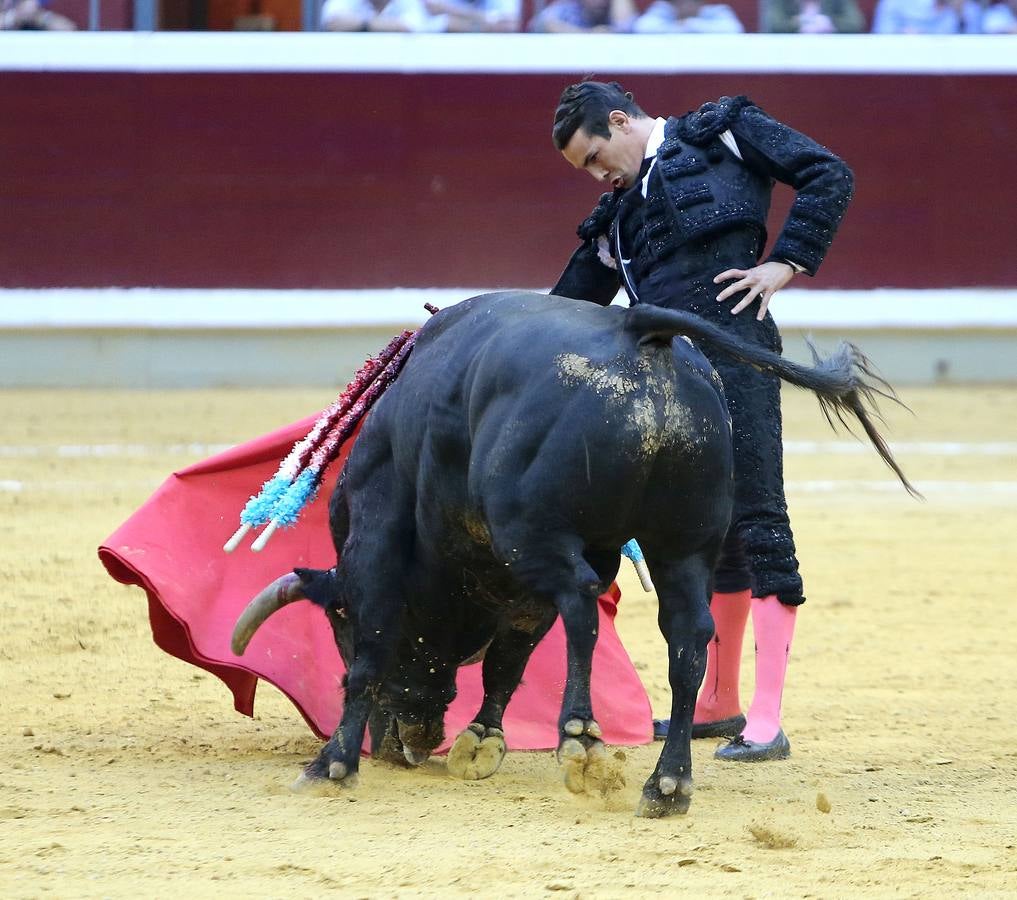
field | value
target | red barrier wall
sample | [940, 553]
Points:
[373, 180]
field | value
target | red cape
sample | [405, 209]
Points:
[172, 547]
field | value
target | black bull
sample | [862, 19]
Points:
[489, 492]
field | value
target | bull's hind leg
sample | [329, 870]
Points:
[581, 752]
[479, 749]
[580, 748]
[556, 571]
[684, 620]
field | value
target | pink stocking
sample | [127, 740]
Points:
[718, 698]
[773, 624]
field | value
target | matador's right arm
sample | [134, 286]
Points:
[591, 273]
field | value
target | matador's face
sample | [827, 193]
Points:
[614, 160]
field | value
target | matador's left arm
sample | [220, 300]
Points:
[823, 183]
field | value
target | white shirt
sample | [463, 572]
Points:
[657, 138]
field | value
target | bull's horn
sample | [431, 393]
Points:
[281, 592]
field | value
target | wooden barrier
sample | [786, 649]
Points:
[351, 179]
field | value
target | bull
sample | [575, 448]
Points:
[489, 492]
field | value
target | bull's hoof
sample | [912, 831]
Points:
[577, 727]
[328, 768]
[314, 786]
[337, 771]
[581, 759]
[477, 752]
[665, 796]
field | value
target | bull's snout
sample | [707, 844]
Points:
[278, 594]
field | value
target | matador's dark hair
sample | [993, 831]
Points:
[587, 105]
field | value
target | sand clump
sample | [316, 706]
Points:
[772, 838]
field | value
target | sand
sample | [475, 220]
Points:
[125, 773]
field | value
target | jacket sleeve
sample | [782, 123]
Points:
[822, 181]
[587, 278]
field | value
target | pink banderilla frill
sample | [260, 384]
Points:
[300, 474]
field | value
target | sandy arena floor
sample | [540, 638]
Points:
[126, 773]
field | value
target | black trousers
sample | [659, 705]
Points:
[759, 551]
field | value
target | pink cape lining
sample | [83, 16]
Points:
[172, 548]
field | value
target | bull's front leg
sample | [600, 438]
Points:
[684, 620]
[339, 759]
[374, 614]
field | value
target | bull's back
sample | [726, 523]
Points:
[566, 410]
[539, 403]
[611, 441]
[470, 356]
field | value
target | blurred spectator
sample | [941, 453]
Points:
[477, 15]
[1001, 18]
[379, 15]
[927, 17]
[585, 16]
[32, 15]
[812, 17]
[691, 16]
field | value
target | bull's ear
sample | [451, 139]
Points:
[319, 586]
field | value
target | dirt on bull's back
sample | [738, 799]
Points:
[124, 772]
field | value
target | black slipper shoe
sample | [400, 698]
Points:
[722, 728]
[741, 750]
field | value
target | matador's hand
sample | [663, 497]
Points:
[761, 282]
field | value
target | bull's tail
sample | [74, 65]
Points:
[844, 382]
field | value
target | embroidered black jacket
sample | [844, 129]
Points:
[699, 189]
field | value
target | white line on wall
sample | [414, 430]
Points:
[414, 54]
[253, 310]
